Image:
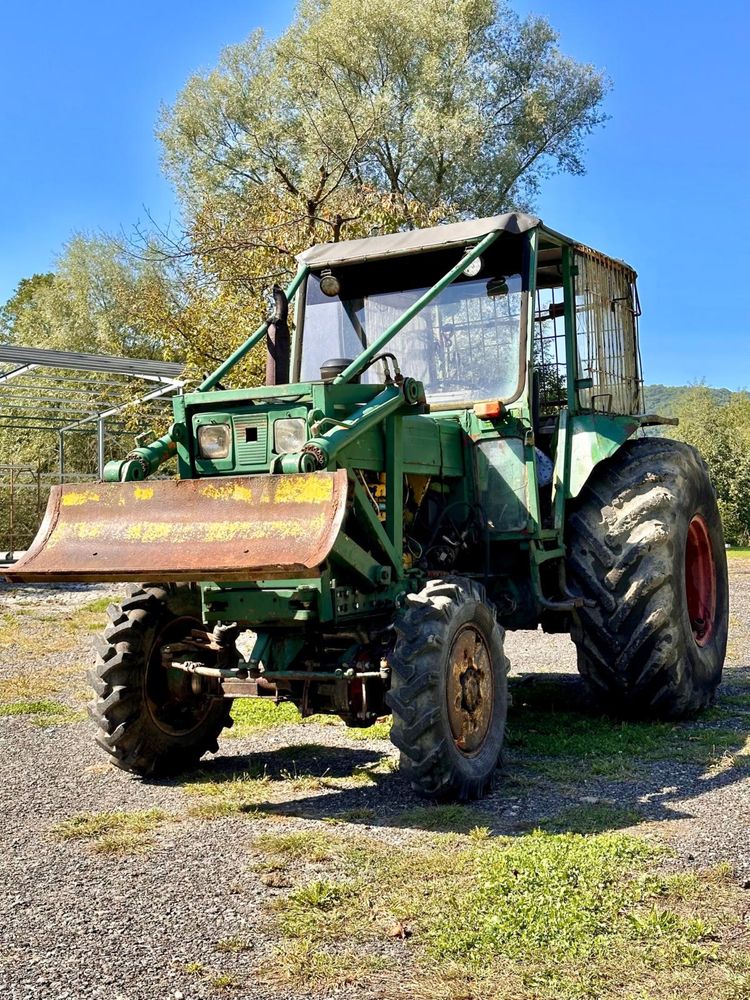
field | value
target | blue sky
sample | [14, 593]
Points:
[667, 187]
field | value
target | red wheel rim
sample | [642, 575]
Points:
[700, 580]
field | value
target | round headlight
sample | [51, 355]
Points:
[474, 268]
[289, 435]
[329, 284]
[214, 441]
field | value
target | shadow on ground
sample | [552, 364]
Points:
[566, 768]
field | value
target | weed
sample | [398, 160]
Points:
[380, 730]
[112, 832]
[44, 707]
[42, 686]
[480, 833]
[225, 981]
[253, 714]
[544, 915]
[314, 847]
[233, 945]
[451, 818]
[592, 818]
[361, 814]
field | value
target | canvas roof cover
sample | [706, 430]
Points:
[415, 240]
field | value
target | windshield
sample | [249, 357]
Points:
[465, 345]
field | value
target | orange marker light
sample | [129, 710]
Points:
[488, 411]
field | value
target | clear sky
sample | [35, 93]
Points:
[667, 187]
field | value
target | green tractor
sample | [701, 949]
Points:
[450, 443]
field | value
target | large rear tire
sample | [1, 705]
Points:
[646, 548]
[151, 720]
[449, 690]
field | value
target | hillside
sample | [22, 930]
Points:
[663, 399]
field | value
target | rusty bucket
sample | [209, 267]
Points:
[232, 528]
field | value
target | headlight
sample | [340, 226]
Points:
[289, 435]
[214, 440]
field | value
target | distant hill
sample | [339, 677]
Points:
[663, 399]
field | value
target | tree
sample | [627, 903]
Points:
[13, 310]
[721, 432]
[368, 114]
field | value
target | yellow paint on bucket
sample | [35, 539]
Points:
[78, 499]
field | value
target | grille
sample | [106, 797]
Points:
[251, 440]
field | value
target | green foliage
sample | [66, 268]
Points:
[113, 832]
[721, 432]
[44, 707]
[538, 916]
[666, 399]
[562, 895]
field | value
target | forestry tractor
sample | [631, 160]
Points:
[450, 442]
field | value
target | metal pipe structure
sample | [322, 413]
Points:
[226, 366]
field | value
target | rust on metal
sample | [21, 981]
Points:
[233, 528]
[470, 690]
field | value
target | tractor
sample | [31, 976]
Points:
[451, 442]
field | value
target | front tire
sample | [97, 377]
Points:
[153, 721]
[646, 549]
[449, 690]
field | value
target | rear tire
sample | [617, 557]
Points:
[449, 690]
[645, 545]
[149, 719]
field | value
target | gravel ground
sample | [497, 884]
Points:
[78, 924]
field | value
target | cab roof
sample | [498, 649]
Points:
[415, 240]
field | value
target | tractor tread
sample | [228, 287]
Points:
[625, 542]
[126, 729]
[424, 626]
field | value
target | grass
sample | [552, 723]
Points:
[42, 707]
[55, 629]
[43, 686]
[113, 832]
[451, 818]
[547, 916]
[228, 795]
[564, 745]
[592, 818]
[380, 730]
[738, 552]
[253, 714]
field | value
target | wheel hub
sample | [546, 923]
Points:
[470, 690]
[177, 705]
[700, 580]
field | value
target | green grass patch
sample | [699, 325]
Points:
[56, 629]
[113, 832]
[380, 730]
[738, 552]
[610, 747]
[253, 714]
[547, 916]
[231, 794]
[449, 818]
[592, 817]
[44, 686]
[43, 713]
[295, 846]
[43, 707]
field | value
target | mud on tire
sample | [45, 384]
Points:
[645, 546]
[150, 723]
[449, 689]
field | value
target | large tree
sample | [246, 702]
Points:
[371, 114]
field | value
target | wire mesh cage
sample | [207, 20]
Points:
[607, 313]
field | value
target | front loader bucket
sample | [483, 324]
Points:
[232, 528]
